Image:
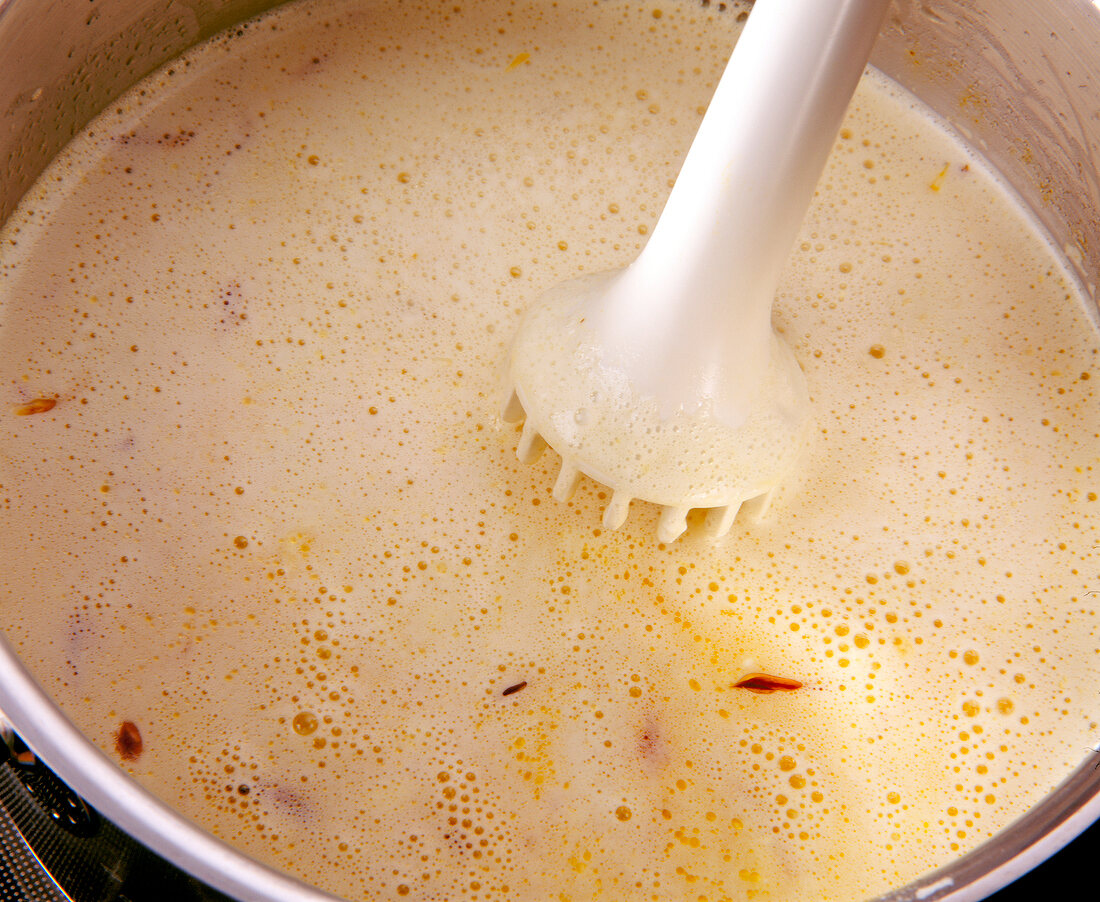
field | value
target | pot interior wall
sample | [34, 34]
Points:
[61, 63]
[1020, 80]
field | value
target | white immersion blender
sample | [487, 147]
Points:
[665, 381]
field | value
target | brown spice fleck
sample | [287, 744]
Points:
[128, 742]
[38, 405]
[515, 688]
[763, 683]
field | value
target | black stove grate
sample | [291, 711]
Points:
[55, 848]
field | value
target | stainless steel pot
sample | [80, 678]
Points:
[1020, 79]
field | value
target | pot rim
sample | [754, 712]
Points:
[1066, 811]
[118, 797]
[1059, 816]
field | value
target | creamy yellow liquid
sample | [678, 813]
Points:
[274, 520]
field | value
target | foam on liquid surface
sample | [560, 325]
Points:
[594, 414]
[273, 520]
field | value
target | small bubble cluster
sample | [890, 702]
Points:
[269, 545]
